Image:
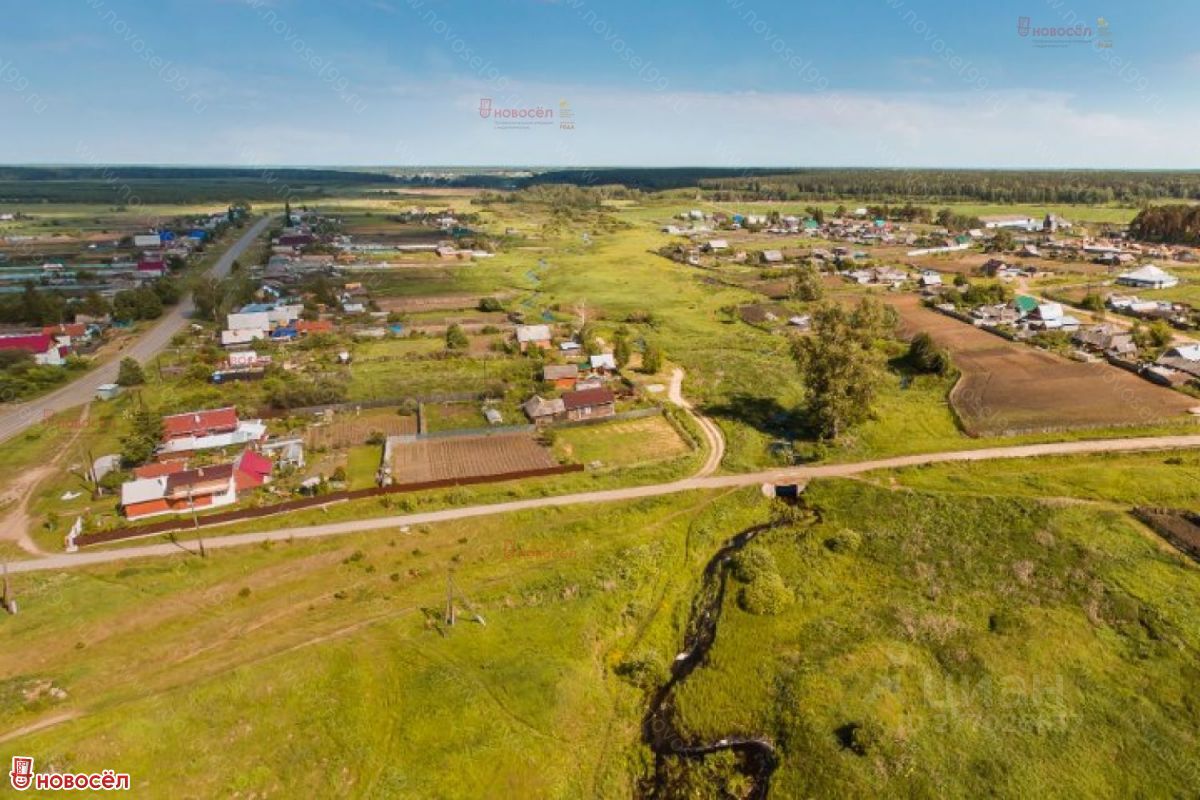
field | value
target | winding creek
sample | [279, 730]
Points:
[759, 757]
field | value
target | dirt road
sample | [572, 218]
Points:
[712, 433]
[789, 475]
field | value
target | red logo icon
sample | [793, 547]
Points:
[485, 107]
[21, 776]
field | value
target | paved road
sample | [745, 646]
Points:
[17, 418]
[789, 475]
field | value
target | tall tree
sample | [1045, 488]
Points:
[841, 364]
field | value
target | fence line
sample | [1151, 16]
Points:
[224, 518]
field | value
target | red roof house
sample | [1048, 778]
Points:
[160, 468]
[43, 347]
[200, 423]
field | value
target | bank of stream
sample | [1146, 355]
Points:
[757, 755]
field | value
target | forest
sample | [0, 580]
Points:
[1172, 224]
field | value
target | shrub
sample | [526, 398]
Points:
[766, 595]
[925, 356]
[130, 373]
[752, 563]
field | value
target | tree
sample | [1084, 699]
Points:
[140, 444]
[287, 213]
[621, 350]
[807, 285]
[925, 356]
[130, 373]
[490, 304]
[456, 339]
[652, 359]
[1092, 301]
[842, 367]
[1001, 241]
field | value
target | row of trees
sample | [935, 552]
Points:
[35, 307]
[1174, 224]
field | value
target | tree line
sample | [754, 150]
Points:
[1173, 224]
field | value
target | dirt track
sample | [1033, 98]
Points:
[1009, 388]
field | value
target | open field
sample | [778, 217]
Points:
[169, 669]
[1013, 388]
[468, 456]
[348, 428]
[621, 443]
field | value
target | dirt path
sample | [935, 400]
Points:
[15, 524]
[798, 475]
[712, 433]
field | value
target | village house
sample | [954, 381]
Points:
[203, 430]
[44, 349]
[1050, 317]
[541, 411]
[589, 404]
[561, 376]
[1148, 277]
[603, 364]
[1184, 359]
[771, 256]
[715, 246]
[533, 336]
[1106, 338]
[171, 488]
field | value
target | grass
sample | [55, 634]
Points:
[316, 669]
[620, 444]
[954, 646]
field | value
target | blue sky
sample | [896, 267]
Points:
[670, 82]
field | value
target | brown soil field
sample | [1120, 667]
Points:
[468, 456]
[348, 430]
[1009, 388]
[443, 302]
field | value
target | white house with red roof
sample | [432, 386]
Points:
[43, 347]
[204, 430]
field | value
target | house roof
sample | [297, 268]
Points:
[143, 490]
[33, 343]
[586, 398]
[1191, 352]
[255, 463]
[187, 479]
[159, 469]
[533, 333]
[604, 361]
[1148, 274]
[554, 372]
[314, 326]
[200, 422]
[538, 407]
[1024, 302]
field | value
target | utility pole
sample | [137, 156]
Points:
[6, 599]
[196, 523]
[450, 598]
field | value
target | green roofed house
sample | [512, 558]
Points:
[1025, 304]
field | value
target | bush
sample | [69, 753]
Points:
[925, 356]
[456, 339]
[752, 563]
[490, 304]
[766, 595]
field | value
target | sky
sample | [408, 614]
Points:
[733, 83]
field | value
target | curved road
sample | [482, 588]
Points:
[17, 418]
[788, 475]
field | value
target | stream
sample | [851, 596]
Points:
[759, 758]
